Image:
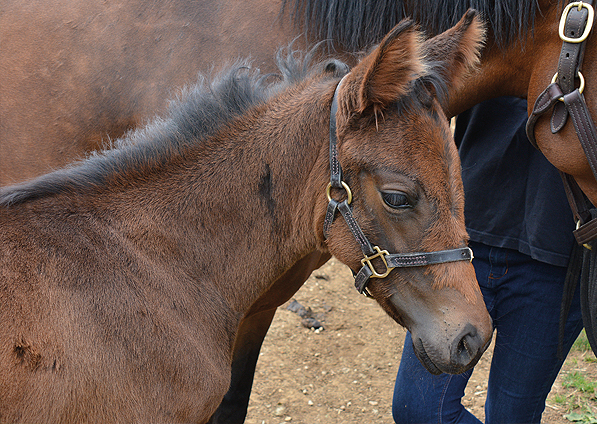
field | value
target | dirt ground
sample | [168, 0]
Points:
[345, 373]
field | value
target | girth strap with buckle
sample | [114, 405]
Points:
[370, 252]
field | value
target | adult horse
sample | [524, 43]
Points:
[124, 278]
[75, 74]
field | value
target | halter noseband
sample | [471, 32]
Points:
[390, 261]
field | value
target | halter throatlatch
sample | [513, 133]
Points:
[386, 260]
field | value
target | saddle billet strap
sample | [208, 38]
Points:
[409, 260]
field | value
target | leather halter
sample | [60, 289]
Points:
[370, 252]
[566, 100]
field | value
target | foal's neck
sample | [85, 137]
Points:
[249, 198]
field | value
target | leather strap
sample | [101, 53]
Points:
[570, 61]
[567, 100]
[409, 260]
[423, 259]
[355, 229]
[544, 102]
[576, 28]
[335, 168]
[585, 128]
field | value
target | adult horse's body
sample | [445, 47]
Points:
[75, 74]
[124, 278]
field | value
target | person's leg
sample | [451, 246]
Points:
[421, 397]
[526, 312]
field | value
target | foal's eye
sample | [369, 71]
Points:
[396, 199]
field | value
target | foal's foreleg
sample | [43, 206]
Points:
[233, 408]
[251, 333]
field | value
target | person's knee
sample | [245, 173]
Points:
[399, 412]
[410, 412]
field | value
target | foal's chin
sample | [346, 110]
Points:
[431, 357]
[444, 338]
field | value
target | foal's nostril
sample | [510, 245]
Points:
[463, 347]
[466, 346]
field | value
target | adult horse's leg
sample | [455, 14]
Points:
[251, 333]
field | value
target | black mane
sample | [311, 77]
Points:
[357, 24]
[199, 111]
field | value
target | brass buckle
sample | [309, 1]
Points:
[328, 192]
[580, 89]
[585, 245]
[380, 254]
[588, 27]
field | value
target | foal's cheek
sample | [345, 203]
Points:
[342, 245]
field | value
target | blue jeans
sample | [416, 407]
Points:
[523, 297]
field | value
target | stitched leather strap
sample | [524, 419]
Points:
[355, 229]
[409, 260]
[429, 258]
[570, 61]
[585, 128]
[335, 168]
[544, 102]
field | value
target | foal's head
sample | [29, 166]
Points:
[402, 167]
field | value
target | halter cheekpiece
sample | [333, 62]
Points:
[370, 252]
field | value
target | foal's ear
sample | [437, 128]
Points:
[455, 52]
[384, 75]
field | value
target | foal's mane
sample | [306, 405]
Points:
[197, 113]
[355, 24]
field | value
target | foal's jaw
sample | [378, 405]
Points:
[441, 322]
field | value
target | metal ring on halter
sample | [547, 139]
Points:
[588, 27]
[580, 89]
[328, 192]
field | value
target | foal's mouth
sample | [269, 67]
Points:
[424, 357]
